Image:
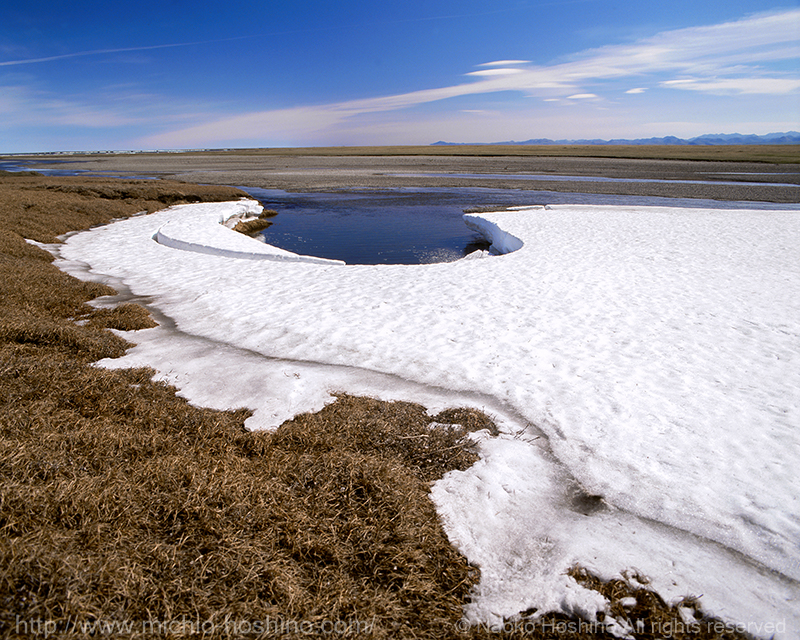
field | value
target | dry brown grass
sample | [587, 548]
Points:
[126, 512]
[253, 226]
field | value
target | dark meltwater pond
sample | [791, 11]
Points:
[416, 226]
[401, 226]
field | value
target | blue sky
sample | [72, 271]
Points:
[178, 74]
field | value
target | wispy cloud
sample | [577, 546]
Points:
[503, 63]
[495, 72]
[94, 52]
[711, 59]
[24, 106]
[774, 86]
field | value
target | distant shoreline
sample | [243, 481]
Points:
[771, 153]
[340, 168]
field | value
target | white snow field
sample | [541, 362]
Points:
[648, 356]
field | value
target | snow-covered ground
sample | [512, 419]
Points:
[646, 355]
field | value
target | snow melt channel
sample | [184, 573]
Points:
[658, 349]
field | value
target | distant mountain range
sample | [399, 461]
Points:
[790, 137]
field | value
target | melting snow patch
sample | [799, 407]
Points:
[644, 362]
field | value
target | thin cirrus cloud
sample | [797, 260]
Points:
[94, 52]
[713, 59]
[22, 106]
[495, 72]
[775, 86]
[504, 63]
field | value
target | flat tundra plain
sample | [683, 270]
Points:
[704, 173]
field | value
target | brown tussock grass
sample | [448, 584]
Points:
[253, 226]
[122, 503]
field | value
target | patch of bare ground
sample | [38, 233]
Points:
[126, 512]
[252, 226]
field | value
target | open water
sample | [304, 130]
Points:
[411, 226]
[399, 226]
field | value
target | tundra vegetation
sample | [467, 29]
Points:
[123, 505]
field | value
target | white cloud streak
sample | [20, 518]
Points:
[495, 72]
[23, 107]
[94, 52]
[773, 86]
[713, 59]
[503, 63]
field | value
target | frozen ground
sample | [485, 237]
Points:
[642, 362]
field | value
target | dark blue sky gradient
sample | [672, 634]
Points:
[156, 67]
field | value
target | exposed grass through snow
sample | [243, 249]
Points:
[122, 505]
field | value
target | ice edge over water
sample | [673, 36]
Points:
[697, 308]
[209, 234]
[501, 241]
